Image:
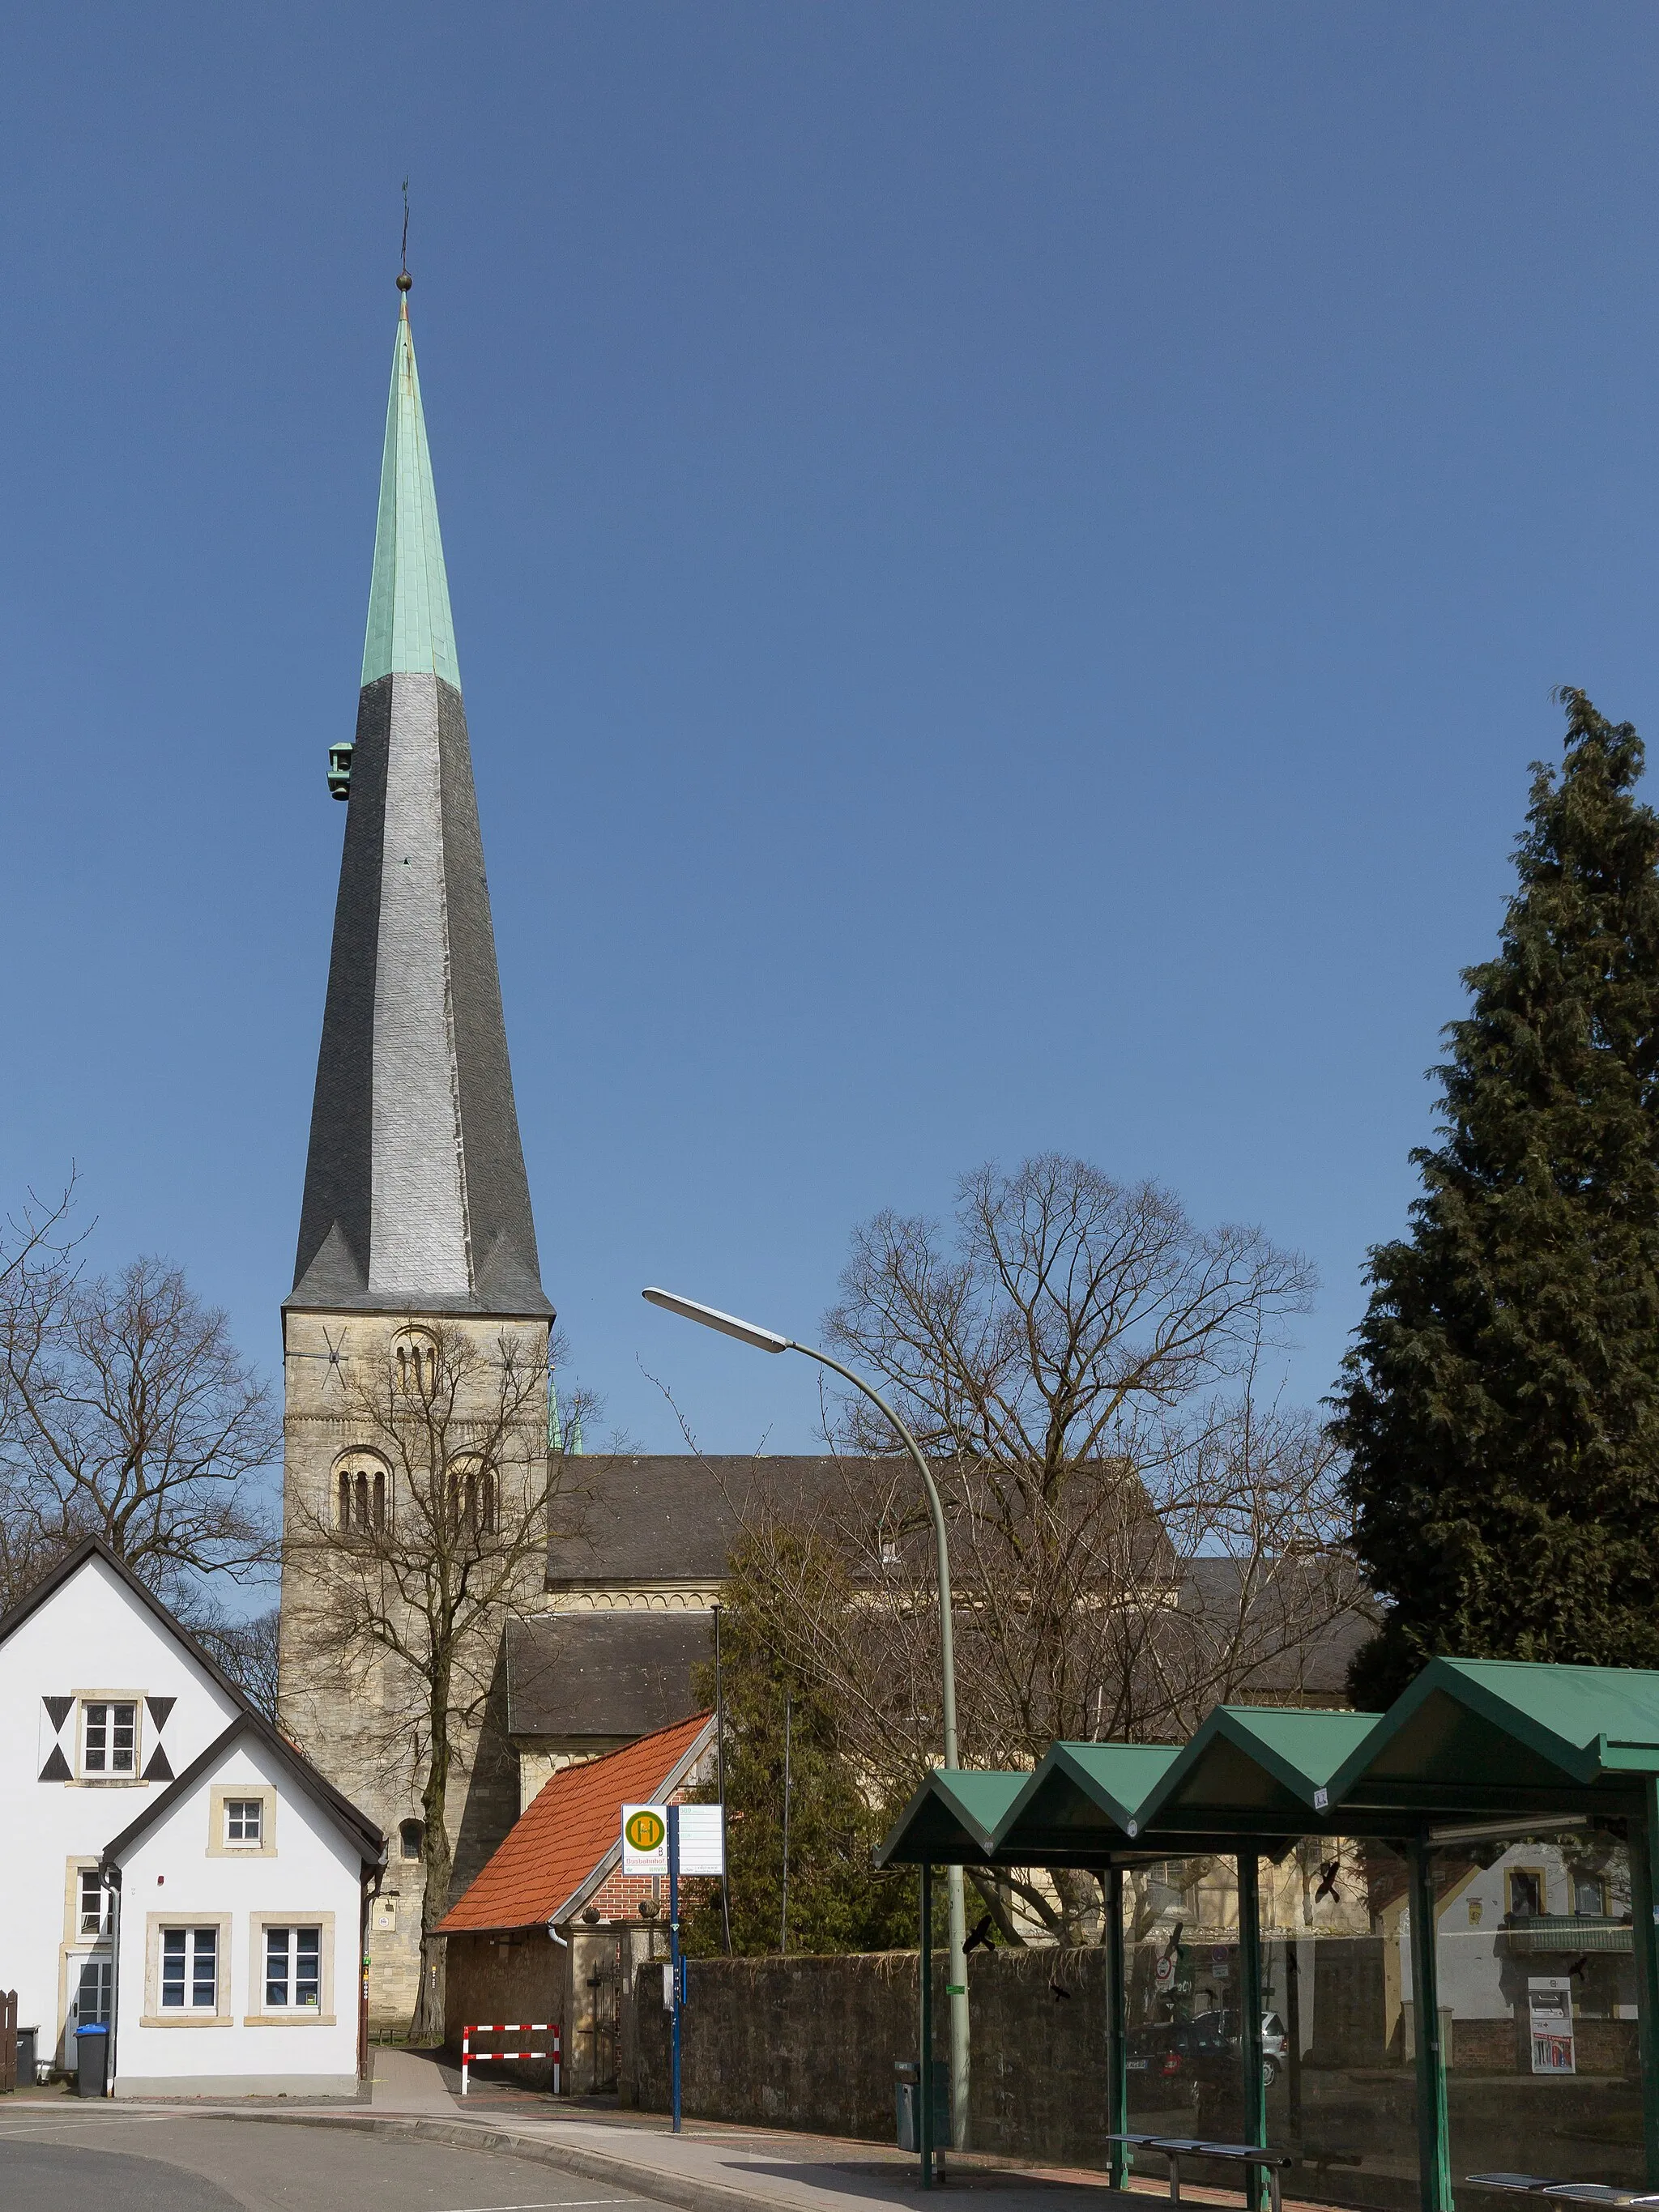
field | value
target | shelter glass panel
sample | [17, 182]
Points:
[1337, 2063]
[1180, 1958]
[1538, 2005]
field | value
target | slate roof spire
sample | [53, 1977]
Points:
[416, 1197]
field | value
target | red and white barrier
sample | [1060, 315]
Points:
[469, 2057]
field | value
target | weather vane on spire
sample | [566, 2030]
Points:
[404, 280]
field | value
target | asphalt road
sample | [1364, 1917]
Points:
[53, 2158]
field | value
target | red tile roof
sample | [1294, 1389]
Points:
[566, 1829]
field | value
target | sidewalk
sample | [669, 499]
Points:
[711, 2167]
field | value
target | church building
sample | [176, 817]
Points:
[416, 1234]
[416, 1222]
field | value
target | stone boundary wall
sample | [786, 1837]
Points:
[810, 2043]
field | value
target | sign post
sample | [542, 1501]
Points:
[674, 1839]
[674, 1945]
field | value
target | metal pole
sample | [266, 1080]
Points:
[1433, 2147]
[956, 1978]
[924, 2038]
[1644, 1933]
[783, 1922]
[1250, 2007]
[720, 1785]
[674, 1942]
[1118, 2031]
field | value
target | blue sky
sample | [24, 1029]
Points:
[1008, 565]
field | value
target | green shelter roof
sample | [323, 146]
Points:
[410, 624]
[1081, 1800]
[1252, 1767]
[950, 1819]
[1503, 1735]
[1470, 1739]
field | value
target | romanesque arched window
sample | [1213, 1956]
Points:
[474, 1497]
[360, 1493]
[415, 1362]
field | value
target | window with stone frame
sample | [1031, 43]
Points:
[109, 1738]
[189, 1969]
[293, 1967]
[244, 1822]
[95, 1915]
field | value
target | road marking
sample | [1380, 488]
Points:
[554, 2203]
[8, 2126]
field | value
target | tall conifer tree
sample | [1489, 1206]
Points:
[1501, 1401]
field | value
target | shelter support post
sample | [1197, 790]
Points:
[1433, 2143]
[1117, 2033]
[924, 2107]
[1249, 2006]
[1644, 1936]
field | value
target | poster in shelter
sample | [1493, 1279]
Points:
[1549, 2003]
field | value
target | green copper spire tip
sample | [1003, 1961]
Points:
[410, 624]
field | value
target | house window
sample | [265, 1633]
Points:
[93, 1916]
[189, 1969]
[1526, 1892]
[293, 1968]
[411, 1837]
[109, 1738]
[245, 1821]
[1590, 1897]
[93, 1993]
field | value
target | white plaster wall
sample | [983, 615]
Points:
[1469, 1920]
[169, 1870]
[93, 1634]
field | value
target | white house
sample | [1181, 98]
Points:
[173, 1869]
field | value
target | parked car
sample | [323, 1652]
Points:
[1204, 2048]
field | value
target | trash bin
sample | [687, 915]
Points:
[906, 2072]
[27, 2040]
[91, 2061]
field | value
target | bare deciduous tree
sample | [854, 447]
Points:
[126, 1412]
[1134, 1536]
[401, 1585]
[247, 1647]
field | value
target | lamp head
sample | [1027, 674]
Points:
[746, 1332]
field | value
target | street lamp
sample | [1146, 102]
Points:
[769, 1340]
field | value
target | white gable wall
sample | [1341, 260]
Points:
[307, 1874]
[92, 1635]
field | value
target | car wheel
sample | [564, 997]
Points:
[1269, 2072]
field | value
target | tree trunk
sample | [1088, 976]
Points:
[428, 2025]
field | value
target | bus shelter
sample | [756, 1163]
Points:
[1473, 1752]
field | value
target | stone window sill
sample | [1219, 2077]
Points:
[301, 2016]
[185, 2019]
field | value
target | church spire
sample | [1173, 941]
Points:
[410, 624]
[416, 1197]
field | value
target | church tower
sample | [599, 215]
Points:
[415, 1207]
[415, 1190]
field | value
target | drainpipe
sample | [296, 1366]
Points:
[111, 1877]
[367, 1888]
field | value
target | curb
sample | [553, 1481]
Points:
[647, 2182]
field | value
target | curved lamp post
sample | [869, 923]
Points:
[768, 1340]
